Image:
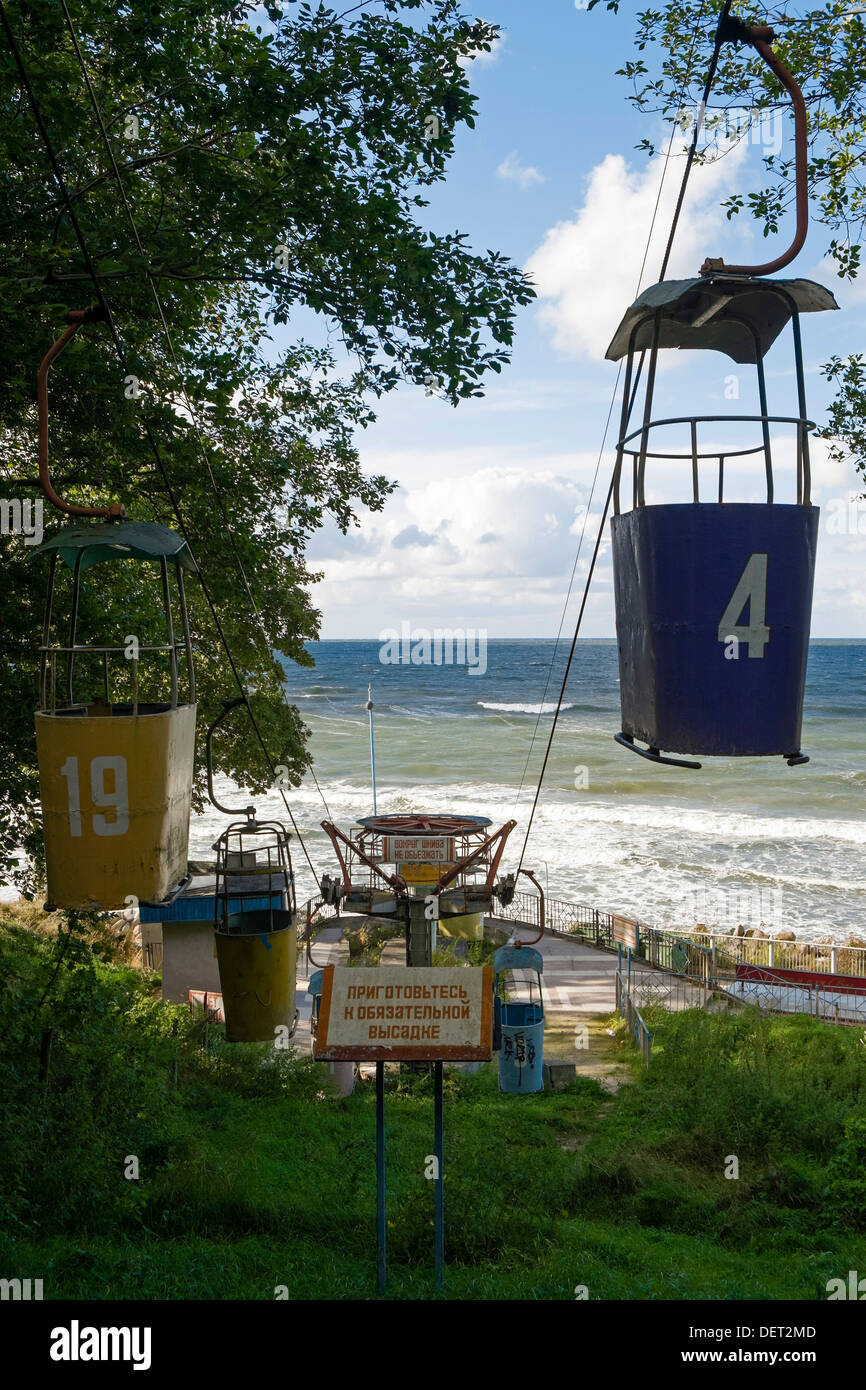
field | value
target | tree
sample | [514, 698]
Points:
[248, 174]
[824, 46]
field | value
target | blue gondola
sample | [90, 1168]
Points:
[519, 1022]
[713, 597]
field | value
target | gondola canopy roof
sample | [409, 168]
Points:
[737, 315]
[142, 540]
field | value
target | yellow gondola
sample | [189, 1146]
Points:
[115, 777]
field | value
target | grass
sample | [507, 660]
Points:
[254, 1177]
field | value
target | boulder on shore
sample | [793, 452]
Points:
[786, 935]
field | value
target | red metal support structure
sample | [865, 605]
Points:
[393, 880]
[761, 36]
[531, 876]
[501, 835]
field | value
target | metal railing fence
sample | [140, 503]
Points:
[688, 951]
[628, 1009]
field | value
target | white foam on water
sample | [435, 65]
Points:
[640, 858]
[546, 707]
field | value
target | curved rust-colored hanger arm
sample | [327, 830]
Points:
[761, 36]
[75, 318]
[531, 876]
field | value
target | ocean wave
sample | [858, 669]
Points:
[547, 707]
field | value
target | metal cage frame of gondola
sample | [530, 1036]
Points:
[233, 851]
[117, 542]
[742, 317]
[720, 290]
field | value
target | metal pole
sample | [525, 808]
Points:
[73, 623]
[640, 497]
[804, 475]
[418, 935]
[169, 625]
[440, 1174]
[46, 633]
[623, 423]
[45, 1053]
[380, 1176]
[187, 639]
[765, 424]
[369, 708]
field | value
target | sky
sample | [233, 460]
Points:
[495, 495]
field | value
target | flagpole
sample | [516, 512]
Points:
[369, 708]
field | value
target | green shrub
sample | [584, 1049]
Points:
[252, 1172]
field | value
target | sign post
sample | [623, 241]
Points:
[439, 1179]
[406, 1014]
[625, 933]
[381, 1222]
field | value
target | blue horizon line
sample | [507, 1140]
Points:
[589, 641]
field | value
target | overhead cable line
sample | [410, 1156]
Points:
[109, 319]
[647, 245]
[711, 73]
[217, 491]
[690, 159]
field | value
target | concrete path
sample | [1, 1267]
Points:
[577, 979]
[328, 949]
[578, 985]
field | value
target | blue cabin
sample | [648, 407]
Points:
[713, 596]
[518, 1027]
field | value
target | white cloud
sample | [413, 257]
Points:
[482, 532]
[483, 58]
[523, 174]
[492, 545]
[586, 270]
[495, 550]
[850, 294]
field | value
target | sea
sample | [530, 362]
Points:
[745, 841]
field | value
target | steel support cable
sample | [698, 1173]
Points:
[109, 319]
[186, 399]
[558, 710]
[595, 479]
[150, 279]
[647, 245]
[690, 159]
[568, 591]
